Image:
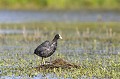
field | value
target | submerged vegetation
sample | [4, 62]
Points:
[93, 47]
[60, 4]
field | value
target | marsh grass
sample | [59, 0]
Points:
[94, 48]
[99, 68]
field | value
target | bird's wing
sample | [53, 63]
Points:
[45, 44]
[43, 47]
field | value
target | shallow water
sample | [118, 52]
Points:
[7, 16]
[15, 52]
[17, 56]
[14, 31]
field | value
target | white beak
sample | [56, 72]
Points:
[60, 37]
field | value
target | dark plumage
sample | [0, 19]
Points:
[47, 48]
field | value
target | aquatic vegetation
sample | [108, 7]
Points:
[99, 68]
[95, 51]
[60, 4]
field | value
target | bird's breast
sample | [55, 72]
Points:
[54, 45]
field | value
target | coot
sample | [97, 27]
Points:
[47, 48]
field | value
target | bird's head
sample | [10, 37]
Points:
[58, 36]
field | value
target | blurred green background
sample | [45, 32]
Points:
[60, 4]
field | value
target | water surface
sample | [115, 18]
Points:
[7, 16]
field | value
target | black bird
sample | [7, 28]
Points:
[47, 48]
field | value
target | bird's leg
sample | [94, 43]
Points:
[43, 61]
[50, 60]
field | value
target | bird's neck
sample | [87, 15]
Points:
[54, 40]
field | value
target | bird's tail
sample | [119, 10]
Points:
[35, 52]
